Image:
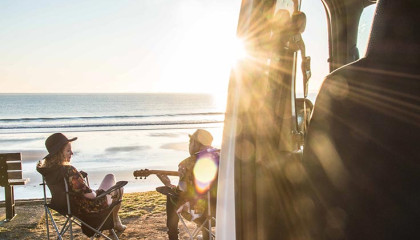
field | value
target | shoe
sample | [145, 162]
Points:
[120, 227]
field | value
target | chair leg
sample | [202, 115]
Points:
[54, 224]
[111, 231]
[65, 227]
[93, 229]
[114, 234]
[209, 213]
[46, 223]
[211, 235]
[71, 229]
[185, 226]
[202, 227]
[199, 228]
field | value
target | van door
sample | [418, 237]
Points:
[261, 137]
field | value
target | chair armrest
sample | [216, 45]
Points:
[18, 181]
[84, 174]
[117, 185]
[168, 191]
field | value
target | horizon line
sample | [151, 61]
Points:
[105, 93]
[154, 92]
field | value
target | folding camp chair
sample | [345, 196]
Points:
[204, 220]
[205, 197]
[92, 224]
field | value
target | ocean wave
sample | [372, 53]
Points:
[109, 124]
[70, 118]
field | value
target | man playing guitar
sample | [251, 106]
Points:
[199, 147]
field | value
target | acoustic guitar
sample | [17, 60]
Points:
[143, 173]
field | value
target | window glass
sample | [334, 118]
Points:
[316, 43]
[365, 25]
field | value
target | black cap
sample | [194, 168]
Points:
[55, 142]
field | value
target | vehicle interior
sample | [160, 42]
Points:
[342, 166]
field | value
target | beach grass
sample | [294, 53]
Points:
[147, 203]
[145, 209]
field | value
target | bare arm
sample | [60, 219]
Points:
[77, 184]
[165, 180]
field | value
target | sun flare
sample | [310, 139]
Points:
[235, 51]
[239, 51]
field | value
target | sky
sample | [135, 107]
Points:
[116, 46]
[80, 46]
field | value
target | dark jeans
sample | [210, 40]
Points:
[172, 220]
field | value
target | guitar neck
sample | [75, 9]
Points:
[146, 172]
[165, 172]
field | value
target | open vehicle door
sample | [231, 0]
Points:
[348, 184]
[263, 131]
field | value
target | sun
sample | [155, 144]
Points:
[231, 51]
[238, 51]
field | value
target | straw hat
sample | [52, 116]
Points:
[202, 136]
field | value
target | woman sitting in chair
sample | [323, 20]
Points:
[56, 165]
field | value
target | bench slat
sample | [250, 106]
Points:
[10, 156]
[14, 165]
[14, 174]
[11, 164]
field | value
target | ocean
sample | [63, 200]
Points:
[117, 133]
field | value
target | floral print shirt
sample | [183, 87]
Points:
[77, 189]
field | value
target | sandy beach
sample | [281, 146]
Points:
[143, 213]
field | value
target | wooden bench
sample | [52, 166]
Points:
[10, 175]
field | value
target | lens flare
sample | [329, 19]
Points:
[239, 50]
[205, 171]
